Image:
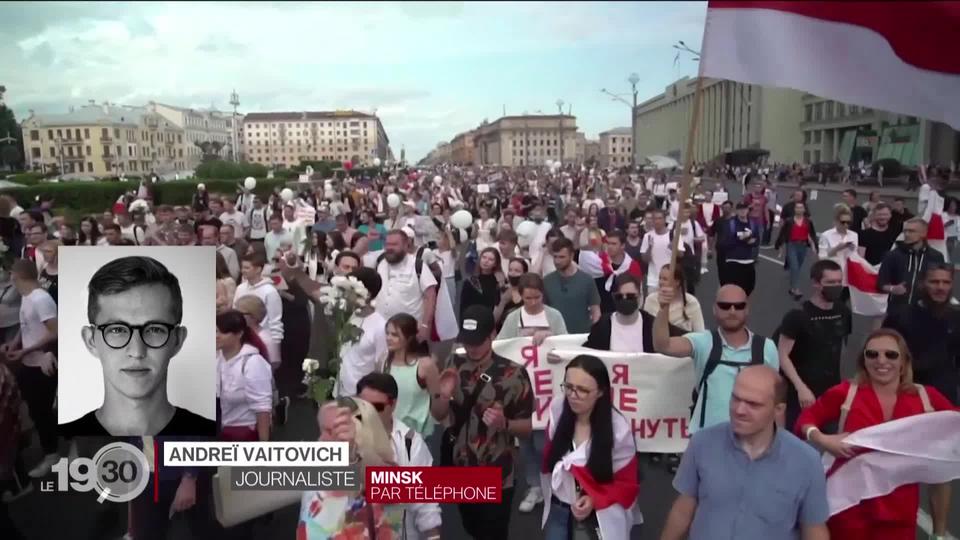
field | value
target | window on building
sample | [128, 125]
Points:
[50, 134]
[35, 153]
[807, 113]
[116, 133]
[77, 133]
[806, 157]
[34, 135]
[816, 156]
[854, 110]
[53, 152]
[104, 133]
[86, 133]
[828, 110]
[817, 137]
[89, 153]
[818, 111]
[89, 167]
[806, 137]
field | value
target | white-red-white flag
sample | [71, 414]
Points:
[933, 214]
[894, 56]
[920, 449]
[865, 298]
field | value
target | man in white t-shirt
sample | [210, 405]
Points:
[656, 250]
[37, 377]
[370, 353]
[233, 217]
[296, 228]
[404, 290]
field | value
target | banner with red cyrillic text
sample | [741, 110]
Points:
[412, 485]
[652, 390]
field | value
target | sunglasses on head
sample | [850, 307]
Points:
[725, 306]
[873, 355]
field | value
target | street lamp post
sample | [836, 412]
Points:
[633, 79]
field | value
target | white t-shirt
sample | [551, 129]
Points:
[245, 387]
[658, 245]
[36, 309]
[531, 323]
[365, 356]
[831, 239]
[625, 338]
[237, 219]
[402, 292]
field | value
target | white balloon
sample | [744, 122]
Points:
[526, 228]
[286, 195]
[461, 219]
[437, 180]
[376, 162]
[393, 200]
[250, 183]
[549, 163]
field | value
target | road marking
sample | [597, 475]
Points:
[926, 524]
[771, 259]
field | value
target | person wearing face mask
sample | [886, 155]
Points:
[510, 297]
[811, 339]
[627, 329]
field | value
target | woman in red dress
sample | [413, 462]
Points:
[883, 390]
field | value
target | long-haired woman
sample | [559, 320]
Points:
[484, 286]
[590, 454]
[245, 382]
[415, 371]
[882, 391]
[226, 285]
[510, 299]
[89, 234]
[685, 311]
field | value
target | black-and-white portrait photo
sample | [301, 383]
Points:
[137, 342]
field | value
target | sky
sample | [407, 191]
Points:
[431, 70]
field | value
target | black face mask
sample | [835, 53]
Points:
[514, 280]
[832, 293]
[627, 306]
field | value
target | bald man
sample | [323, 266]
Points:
[747, 479]
[718, 355]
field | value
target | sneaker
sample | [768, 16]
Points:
[44, 467]
[531, 500]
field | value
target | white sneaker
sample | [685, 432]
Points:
[44, 467]
[533, 497]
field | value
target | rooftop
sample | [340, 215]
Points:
[618, 131]
[304, 115]
[105, 114]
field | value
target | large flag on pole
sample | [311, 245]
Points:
[892, 458]
[865, 298]
[933, 207]
[894, 56]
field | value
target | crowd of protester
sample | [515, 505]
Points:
[549, 252]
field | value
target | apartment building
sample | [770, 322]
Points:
[462, 148]
[527, 140]
[199, 127]
[102, 140]
[284, 139]
[616, 147]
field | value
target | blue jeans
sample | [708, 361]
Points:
[796, 253]
[531, 452]
[558, 522]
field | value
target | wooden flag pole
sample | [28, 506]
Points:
[688, 163]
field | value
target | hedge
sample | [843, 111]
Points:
[95, 197]
[229, 169]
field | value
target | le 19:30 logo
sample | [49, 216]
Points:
[119, 472]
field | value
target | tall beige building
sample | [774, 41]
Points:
[103, 140]
[199, 127]
[462, 148]
[616, 147]
[733, 116]
[527, 140]
[284, 139]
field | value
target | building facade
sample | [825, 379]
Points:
[199, 127]
[848, 134]
[733, 116]
[284, 139]
[591, 151]
[462, 149]
[616, 147]
[527, 140]
[102, 141]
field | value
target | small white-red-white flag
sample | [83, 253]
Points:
[920, 449]
[893, 56]
[865, 298]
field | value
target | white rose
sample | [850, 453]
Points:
[308, 365]
[338, 281]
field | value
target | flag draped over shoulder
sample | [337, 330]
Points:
[865, 298]
[614, 502]
[894, 56]
[893, 458]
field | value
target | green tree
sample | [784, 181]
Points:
[10, 156]
[9, 129]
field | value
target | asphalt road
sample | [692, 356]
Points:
[49, 516]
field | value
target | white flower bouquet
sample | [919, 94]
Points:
[344, 298]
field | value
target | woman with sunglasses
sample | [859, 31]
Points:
[883, 390]
[414, 370]
[245, 381]
[628, 329]
[839, 242]
[589, 471]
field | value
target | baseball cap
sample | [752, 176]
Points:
[477, 326]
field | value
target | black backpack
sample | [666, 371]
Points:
[716, 359]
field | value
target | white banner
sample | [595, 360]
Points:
[652, 390]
